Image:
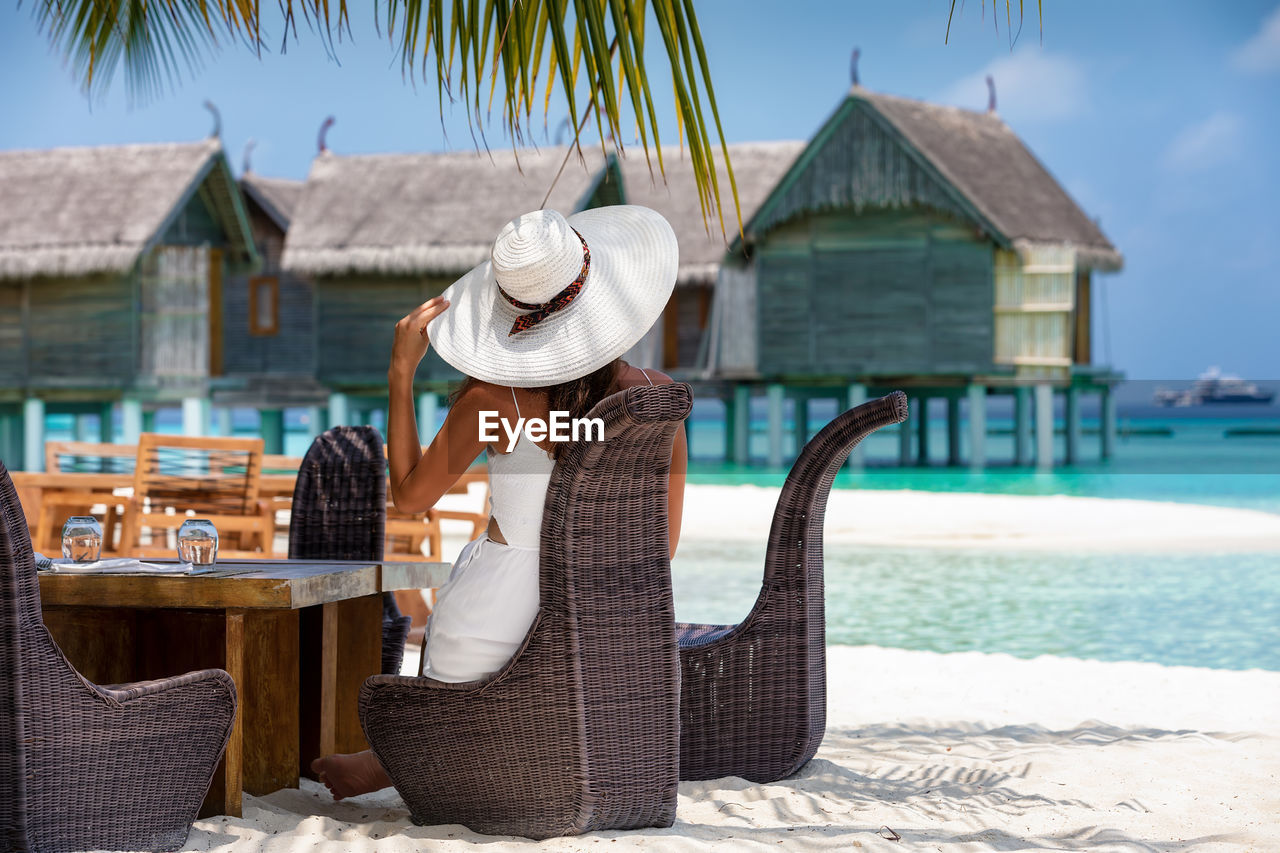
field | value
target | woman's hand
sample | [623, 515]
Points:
[411, 343]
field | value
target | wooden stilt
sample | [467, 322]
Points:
[33, 434]
[904, 434]
[271, 425]
[776, 395]
[953, 430]
[106, 423]
[1022, 425]
[149, 420]
[1108, 422]
[800, 420]
[130, 420]
[857, 396]
[741, 424]
[428, 407]
[195, 416]
[1044, 426]
[223, 418]
[339, 410]
[1073, 425]
[921, 413]
[977, 395]
[11, 437]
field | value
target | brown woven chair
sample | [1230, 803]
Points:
[753, 696]
[579, 731]
[84, 767]
[340, 513]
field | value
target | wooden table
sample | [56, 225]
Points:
[299, 638]
[269, 485]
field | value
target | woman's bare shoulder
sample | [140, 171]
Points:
[635, 376]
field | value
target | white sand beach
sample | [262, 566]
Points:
[962, 752]
[925, 751]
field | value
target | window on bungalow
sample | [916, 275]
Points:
[264, 305]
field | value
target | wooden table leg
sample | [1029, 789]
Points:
[341, 647]
[233, 766]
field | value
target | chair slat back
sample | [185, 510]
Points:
[66, 457]
[212, 476]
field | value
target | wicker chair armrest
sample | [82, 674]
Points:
[132, 692]
[691, 635]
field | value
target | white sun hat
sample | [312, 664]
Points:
[558, 298]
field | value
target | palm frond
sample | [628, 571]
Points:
[592, 51]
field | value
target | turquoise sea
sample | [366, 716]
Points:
[1204, 609]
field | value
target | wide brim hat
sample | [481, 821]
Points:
[631, 273]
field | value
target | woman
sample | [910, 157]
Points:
[540, 327]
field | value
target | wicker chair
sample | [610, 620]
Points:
[753, 696]
[579, 731]
[339, 512]
[85, 767]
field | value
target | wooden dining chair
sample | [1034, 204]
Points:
[214, 478]
[57, 505]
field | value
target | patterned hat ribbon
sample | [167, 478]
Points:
[541, 311]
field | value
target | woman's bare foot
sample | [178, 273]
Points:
[351, 775]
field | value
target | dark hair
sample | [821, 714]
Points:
[577, 396]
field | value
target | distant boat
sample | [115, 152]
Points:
[1214, 386]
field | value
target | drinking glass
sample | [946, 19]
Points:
[198, 543]
[82, 539]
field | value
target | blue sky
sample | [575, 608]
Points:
[1159, 116]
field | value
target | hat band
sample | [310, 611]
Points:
[541, 311]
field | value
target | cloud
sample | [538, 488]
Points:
[1205, 144]
[1031, 85]
[1261, 53]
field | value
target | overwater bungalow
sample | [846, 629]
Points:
[380, 234]
[268, 334]
[112, 263]
[906, 245]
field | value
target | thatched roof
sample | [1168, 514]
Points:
[424, 214]
[983, 158]
[757, 167]
[82, 211]
[278, 197]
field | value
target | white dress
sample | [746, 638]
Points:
[484, 611]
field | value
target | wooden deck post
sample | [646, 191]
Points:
[922, 431]
[776, 395]
[339, 410]
[953, 430]
[223, 422]
[1044, 426]
[857, 396]
[904, 432]
[1072, 398]
[315, 420]
[428, 406]
[977, 426]
[1108, 422]
[33, 434]
[85, 428]
[106, 424]
[801, 421]
[271, 425]
[195, 416]
[1022, 425]
[741, 424]
[130, 420]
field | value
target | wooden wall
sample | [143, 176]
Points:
[13, 355]
[842, 293]
[355, 322]
[291, 350]
[81, 331]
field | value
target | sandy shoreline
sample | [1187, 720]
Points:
[962, 752]
[971, 520]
